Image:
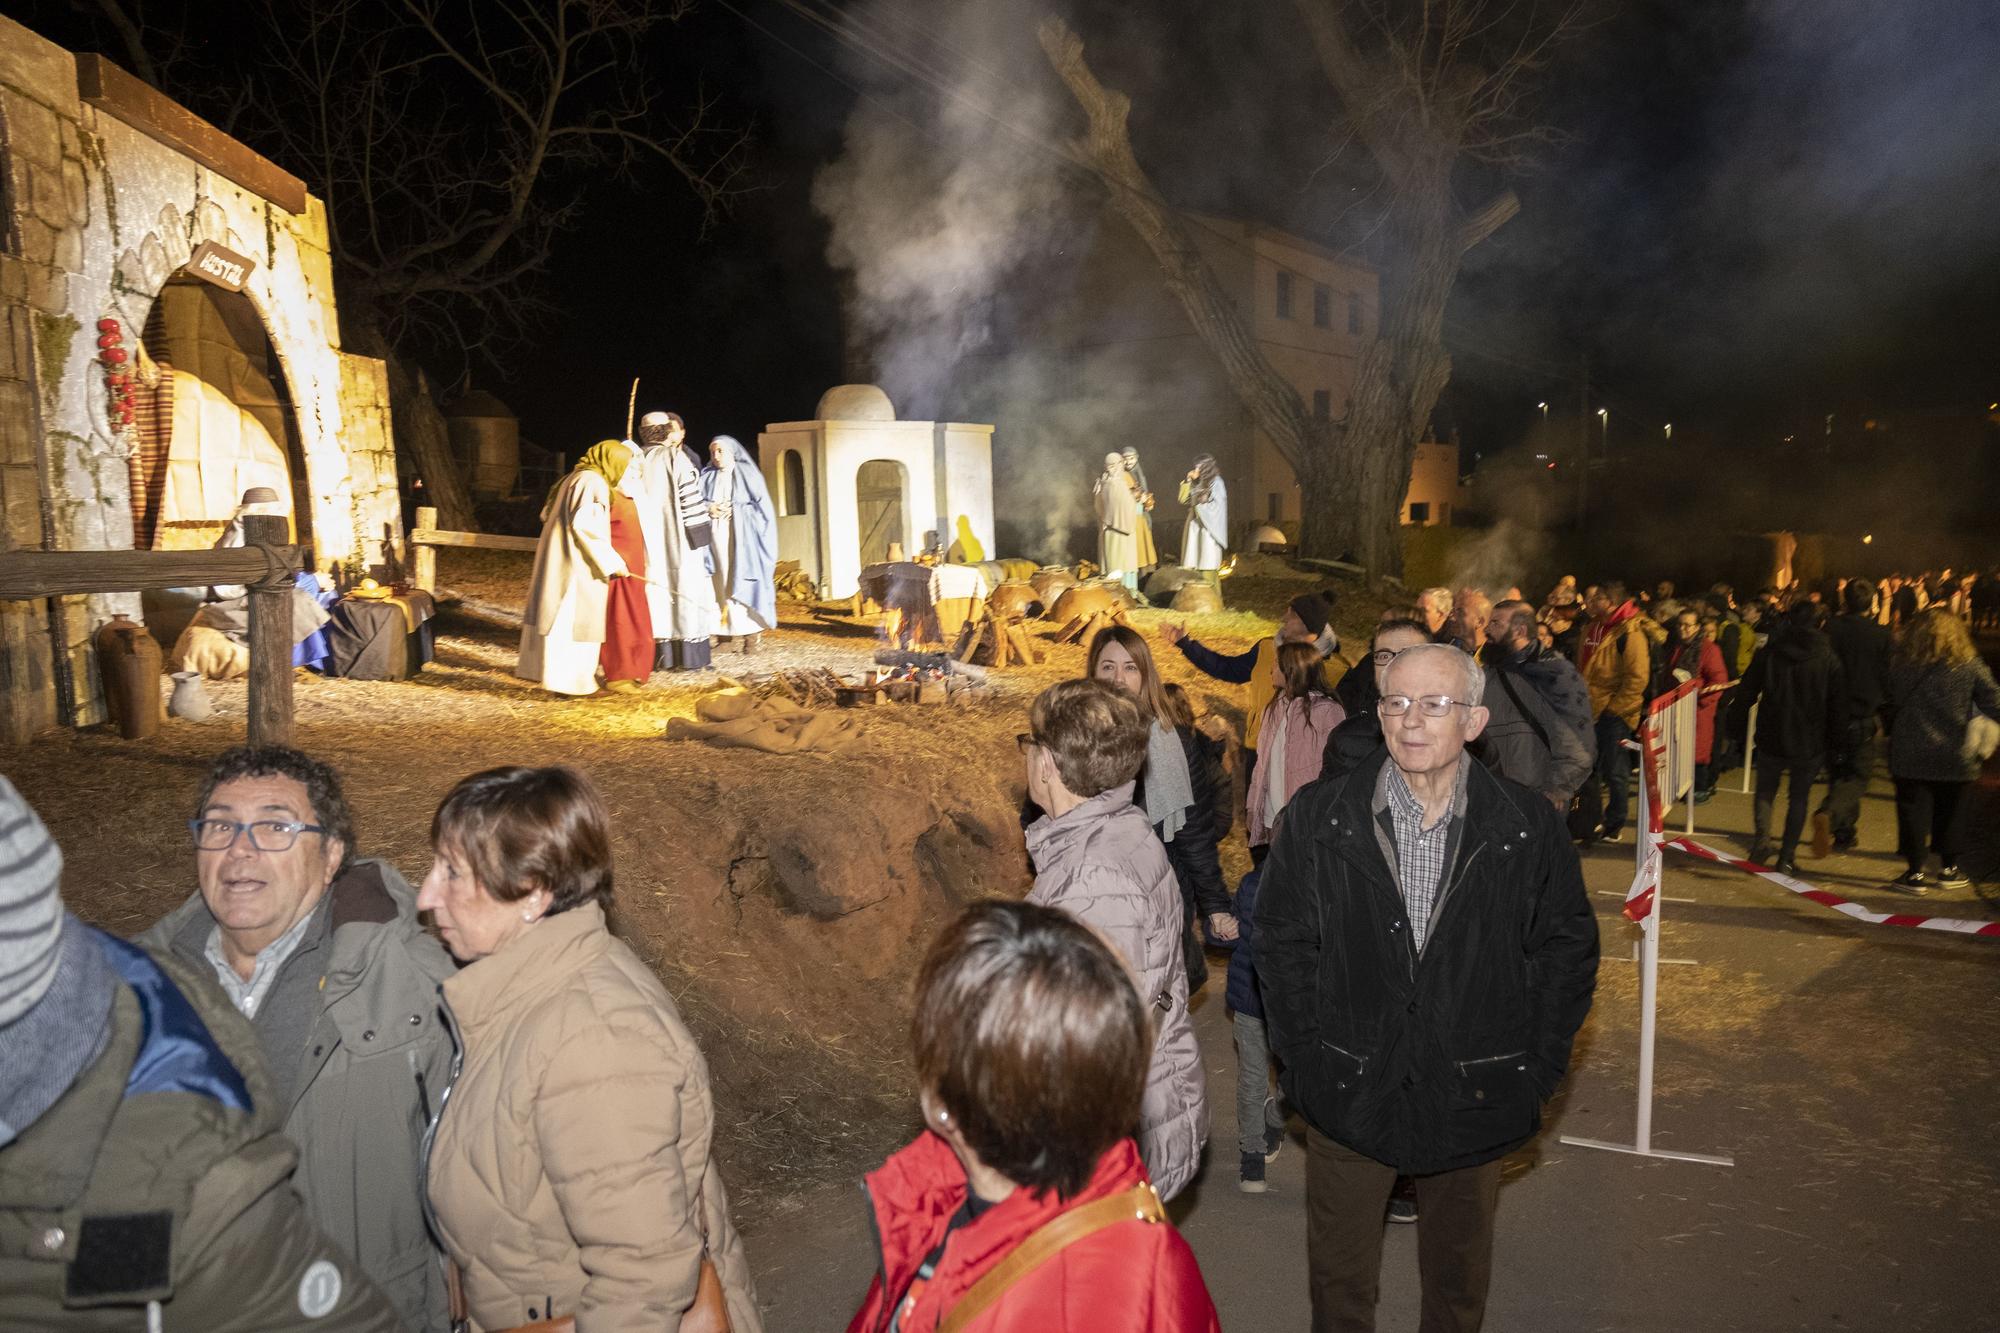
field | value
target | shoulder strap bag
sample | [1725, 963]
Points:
[1138, 1204]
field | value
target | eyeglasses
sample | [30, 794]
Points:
[1431, 705]
[1025, 740]
[1384, 656]
[266, 835]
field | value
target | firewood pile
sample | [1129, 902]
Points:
[810, 688]
[794, 584]
[995, 640]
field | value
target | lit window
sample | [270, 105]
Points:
[1420, 511]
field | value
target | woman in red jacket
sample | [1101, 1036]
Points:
[1024, 1206]
[1694, 657]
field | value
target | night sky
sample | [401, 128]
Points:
[1762, 212]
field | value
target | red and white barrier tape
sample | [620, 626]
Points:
[1835, 901]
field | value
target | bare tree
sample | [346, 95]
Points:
[1430, 89]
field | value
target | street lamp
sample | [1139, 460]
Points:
[1668, 430]
[1545, 410]
[1604, 439]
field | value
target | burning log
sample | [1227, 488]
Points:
[1082, 629]
[892, 657]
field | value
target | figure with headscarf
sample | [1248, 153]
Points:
[744, 528]
[587, 611]
[1206, 539]
[1117, 521]
[1142, 501]
[683, 591]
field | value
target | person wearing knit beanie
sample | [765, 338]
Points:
[56, 988]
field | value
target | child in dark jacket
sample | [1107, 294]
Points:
[1260, 1125]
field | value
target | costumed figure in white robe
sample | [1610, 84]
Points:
[562, 626]
[1206, 539]
[684, 609]
[1117, 522]
[1142, 496]
[743, 525]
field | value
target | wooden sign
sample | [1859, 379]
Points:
[223, 267]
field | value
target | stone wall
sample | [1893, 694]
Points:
[99, 215]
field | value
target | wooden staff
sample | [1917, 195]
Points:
[631, 403]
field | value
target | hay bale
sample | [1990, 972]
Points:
[1197, 599]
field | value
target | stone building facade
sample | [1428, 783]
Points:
[107, 191]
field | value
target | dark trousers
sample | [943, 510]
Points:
[1927, 809]
[1346, 1197]
[1848, 774]
[1614, 765]
[1798, 789]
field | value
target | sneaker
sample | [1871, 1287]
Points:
[1403, 1207]
[1759, 854]
[1951, 877]
[1274, 1135]
[1846, 842]
[1250, 1175]
[1790, 868]
[1822, 843]
[1609, 835]
[1914, 882]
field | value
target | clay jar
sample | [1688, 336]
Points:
[190, 702]
[128, 659]
[1014, 599]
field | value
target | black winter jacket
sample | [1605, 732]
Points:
[1863, 649]
[1192, 852]
[1927, 712]
[1436, 1062]
[1799, 681]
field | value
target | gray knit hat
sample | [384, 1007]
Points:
[31, 909]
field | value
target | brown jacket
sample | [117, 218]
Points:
[571, 1151]
[1617, 671]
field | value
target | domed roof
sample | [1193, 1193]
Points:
[855, 402]
[479, 403]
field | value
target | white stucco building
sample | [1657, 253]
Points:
[167, 337]
[854, 480]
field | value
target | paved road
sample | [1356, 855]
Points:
[1852, 1071]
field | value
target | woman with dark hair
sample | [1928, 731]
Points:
[1937, 686]
[1174, 786]
[1031, 1050]
[570, 1168]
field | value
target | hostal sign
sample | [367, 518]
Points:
[225, 268]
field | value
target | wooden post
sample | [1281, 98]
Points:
[424, 555]
[270, 640]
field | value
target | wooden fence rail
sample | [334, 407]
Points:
[426, 537]
[30, 575]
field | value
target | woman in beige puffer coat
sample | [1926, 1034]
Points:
[570, 1169]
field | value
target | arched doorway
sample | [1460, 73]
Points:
[879, 489]
[215, 418]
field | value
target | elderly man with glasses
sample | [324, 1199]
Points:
[1427, 954]
[325, 956]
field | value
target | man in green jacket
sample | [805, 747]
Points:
[142, 1177]
[324, 955]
